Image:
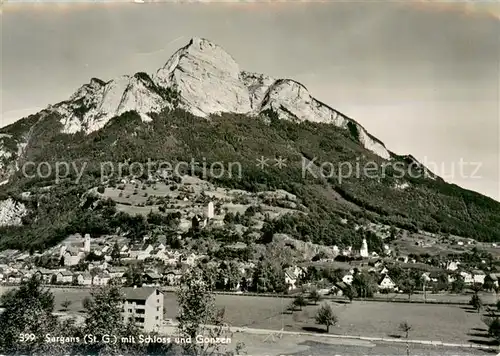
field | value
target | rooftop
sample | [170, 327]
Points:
[141, 293]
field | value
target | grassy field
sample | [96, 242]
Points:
[446, 323]
[488, 298]
[299, 345]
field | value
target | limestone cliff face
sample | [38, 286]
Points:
[209, 81]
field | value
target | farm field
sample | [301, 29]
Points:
[299, 345]
[446, 323]
[488, 298]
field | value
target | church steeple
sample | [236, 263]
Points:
[364, 249]
[86, 243]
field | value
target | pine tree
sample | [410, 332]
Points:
[326, 316]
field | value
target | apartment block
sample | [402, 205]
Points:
[143, 307]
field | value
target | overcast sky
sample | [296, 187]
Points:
[424, 80]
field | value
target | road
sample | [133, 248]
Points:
[273, 343]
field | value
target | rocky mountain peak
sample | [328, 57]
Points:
[208, 81]
[207, 78]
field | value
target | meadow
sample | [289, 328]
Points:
[436, 322]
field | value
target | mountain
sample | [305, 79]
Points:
[201, 104]
[209, 82]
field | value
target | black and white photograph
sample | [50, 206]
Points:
[259, 178]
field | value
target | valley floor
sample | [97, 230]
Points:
[452, 324]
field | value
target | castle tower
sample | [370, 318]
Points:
[86, 243]
[210, 211]
[62, 251]
[364, 249]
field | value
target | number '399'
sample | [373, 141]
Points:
[27, 337]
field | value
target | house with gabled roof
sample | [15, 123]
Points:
[72, 256]
[160, 254]
[45, 274]
[348, 277]
[339, 289]
[64, 277]
[467, 277]
[14, 277]
[115, 271]
[151, 278]
[290, 280]
[84, 279]
[452, 265]
[386, 283]
[478, 276]
[173, 277]
[101, 279]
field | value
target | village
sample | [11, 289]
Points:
[187, 212]
[223, 232]
[85, 261]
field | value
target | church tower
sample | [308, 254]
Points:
[364, 249]
[86, 243]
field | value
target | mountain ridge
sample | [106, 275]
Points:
[209, 81]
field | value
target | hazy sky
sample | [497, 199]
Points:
[425, 80]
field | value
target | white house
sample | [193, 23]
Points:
[124, 250]
[173, 277]
[452, 265]
[116, 272]
[101, 279]
[14, 278]
[290, 280]
[296, 271]
[160, 254]
[348, 278]
[45, 274]
[431, 276]
[467, 277]
[386, 283]
[84, 279]
[478, 276]
[190, 259]
[72, 256]
[347, 251]
[173, 257]
[161, 247]
[64, 277]
[145, 252]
